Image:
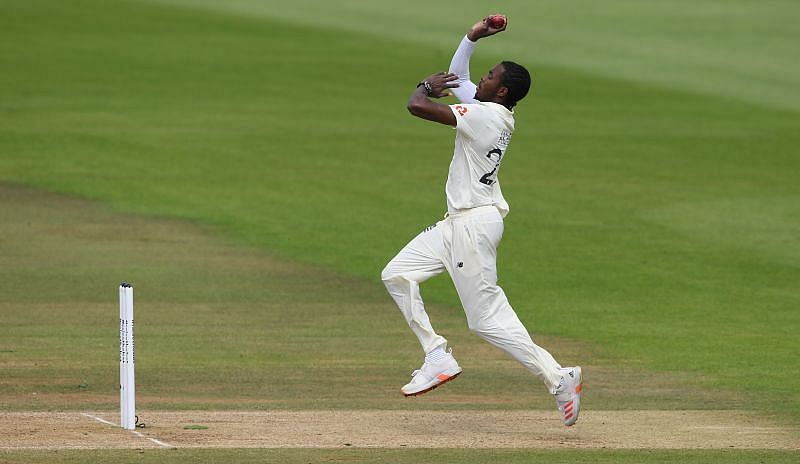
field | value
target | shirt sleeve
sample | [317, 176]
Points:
[459, 65]
[469, 119]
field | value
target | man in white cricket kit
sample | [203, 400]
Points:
[465, 242]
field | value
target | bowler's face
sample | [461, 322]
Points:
[490, 84]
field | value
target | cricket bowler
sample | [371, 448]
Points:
[465, 242]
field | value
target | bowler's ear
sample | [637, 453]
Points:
[502, 92]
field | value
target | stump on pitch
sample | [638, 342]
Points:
[127, 382]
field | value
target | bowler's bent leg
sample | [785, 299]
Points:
[489, 314]
[417, 262]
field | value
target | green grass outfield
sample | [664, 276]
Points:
[253, 167]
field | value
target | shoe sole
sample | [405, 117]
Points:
[578, 395]
[432, 387]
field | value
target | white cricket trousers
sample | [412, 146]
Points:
[465, 244]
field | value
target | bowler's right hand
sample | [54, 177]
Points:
[482, 29]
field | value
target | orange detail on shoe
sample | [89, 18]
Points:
[449, 379]
[442, 377]
[579, 388]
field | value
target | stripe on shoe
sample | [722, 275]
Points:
[448, 379]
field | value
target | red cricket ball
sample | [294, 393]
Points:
[497, 21]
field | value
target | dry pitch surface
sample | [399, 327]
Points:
[397, 429]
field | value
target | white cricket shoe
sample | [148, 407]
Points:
[431, 375]
[568, 394]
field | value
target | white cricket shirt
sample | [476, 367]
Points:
[483, 132]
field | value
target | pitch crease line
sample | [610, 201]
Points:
[135, 432]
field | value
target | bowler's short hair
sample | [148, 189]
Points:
[517, 80]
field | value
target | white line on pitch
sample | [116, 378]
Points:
[135, 432]
[157, 442]
[99, 419]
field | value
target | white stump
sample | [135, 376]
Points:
[127, 384]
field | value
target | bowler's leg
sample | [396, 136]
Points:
[417, 262]
[488, 311]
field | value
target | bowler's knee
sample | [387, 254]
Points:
[479, 318]
[389, 274]
[477, 325]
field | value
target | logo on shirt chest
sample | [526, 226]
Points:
[462, 110]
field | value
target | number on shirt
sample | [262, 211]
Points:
[487, 178]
